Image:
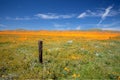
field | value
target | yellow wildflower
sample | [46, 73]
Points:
[119, 78]
[78, 75]
[74, 75]
[48, 72]
[66, 69]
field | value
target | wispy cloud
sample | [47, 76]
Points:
[97, 13]
[24, 18]
[2, 25]
[89, 13]
[112, 29]
[47, 16]
[107, 11]
[61, 25]
[59, 28]
[82, 15]
[64, 26]
[58, 25]
[78, 27]
[105, 14]
[111, 26]
[20, 18]
[53, 16]
[42, 16]
[101, 12]
[114, 25]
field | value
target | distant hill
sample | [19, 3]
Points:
[94, 29]
[20, 30]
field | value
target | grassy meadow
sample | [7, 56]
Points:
[67, 55]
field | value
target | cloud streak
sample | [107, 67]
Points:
[58, 25]
[107, 11]
[2, 25]
[112, 29]
[43, 16]
[89, 13]
[20, 18]
[78, 28]
[82, 15]
[105, 14]
[53, 16]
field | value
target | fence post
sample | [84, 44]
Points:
[40, 45]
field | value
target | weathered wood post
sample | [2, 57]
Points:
[40, 45]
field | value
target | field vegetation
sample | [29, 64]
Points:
[67, 55]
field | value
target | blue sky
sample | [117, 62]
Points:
[60, 14]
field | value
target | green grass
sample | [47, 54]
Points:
[84, 59]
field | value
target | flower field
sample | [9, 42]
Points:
[67, 55]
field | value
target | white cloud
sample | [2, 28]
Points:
[111, 26]
[105, 14]
[47, 16]
[107, 11]
[20, 18]
[24, 18]
[99, 22]
[89, 13]
[59, 28]
[64, 26]
[43, 16]
[114, 24]
[2, 25]
[53, 16]
[78, 28]
[112, 29]
[82, 15]
[68, 28]
[97, 13]
[58, 25]
[67, 16]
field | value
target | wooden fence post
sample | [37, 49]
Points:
[40, 45]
